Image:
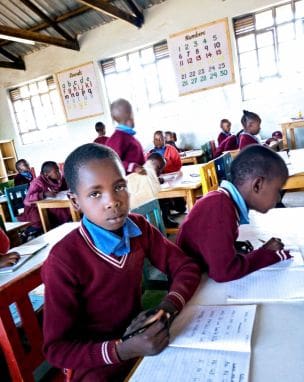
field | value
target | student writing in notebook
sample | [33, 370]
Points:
[210, 231]
[6, 259]
[93, 277]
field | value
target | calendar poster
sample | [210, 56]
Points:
[79, 92]
[202, 57]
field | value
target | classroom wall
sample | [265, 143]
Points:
[194, 117]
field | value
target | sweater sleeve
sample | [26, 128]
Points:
[4, 243]
[61, 309]
[34, 193]
[215, 244]
[183, 272]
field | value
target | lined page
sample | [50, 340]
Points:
[224, 327]
[268, 286]
[193, 365]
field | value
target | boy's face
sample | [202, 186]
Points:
[226, 127]
[158, 141]
[23, 167]
[253, 127]
[157, 165]
[264, 194]
[102, 193]
[168, 137]
[54, 174]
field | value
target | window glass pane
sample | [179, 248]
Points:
[42, 86]
[284, 13]
[24, 91]
[265, 39]
[147, 56]
[250, 91]
[152, 84]
[286, 32]
[248, 59]
[291, 57]
[246, 43]
[38, 111]
[121, 63]
[249, 75]
[299, 29]
[263, 19]
[267, 64]
[134, 59]
[299, 9]
[33, 88]
[167, 80]
[57, 107]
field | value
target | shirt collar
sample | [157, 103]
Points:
[252, 136]
[126, 129]
[160, 150]
[238, 200]
[108, 242]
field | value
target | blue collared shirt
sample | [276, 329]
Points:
[126, 129]
[110, 243]
[238, 200]
[160, 151]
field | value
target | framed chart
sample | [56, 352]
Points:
[79, 92]
[202, 57]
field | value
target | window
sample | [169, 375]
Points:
[37, 107]
[269, 46]
[144, 77]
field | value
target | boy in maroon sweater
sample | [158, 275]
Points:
[210, 231]
[101, 131]
[93, 277]
[122, 140]
[251, 127]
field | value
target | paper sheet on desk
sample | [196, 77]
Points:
[268, 286]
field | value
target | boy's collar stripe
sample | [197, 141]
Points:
[117, 263]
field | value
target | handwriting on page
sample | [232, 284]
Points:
[214, 327]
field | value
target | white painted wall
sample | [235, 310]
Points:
[195, 115]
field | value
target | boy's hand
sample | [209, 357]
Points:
[9, 259]
[274, 244]
[152, 341]
[140, 170]
[49, 194]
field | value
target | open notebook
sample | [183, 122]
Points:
[25, 251]
[209, 343]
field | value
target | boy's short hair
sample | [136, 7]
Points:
[19, 162]
[254, 161]
[99, 126]
[225, 120]
[81, 156]
[120, 108]
[158, 132]
[249, 115]
[48, 166]
[157, 156]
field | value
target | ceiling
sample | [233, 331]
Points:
[58, 22]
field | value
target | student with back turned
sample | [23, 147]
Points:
[93, 276]
[101, 131]
[210, 231]
[122, 140]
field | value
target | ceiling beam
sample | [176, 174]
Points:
[109, 9]
[12, 65]
[38, 37]
[47, 19]
[44, 25]
[135, 9]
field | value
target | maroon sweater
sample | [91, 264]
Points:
[128, 148]
[208, 234]
[222, 136]
[247, 139]
[101, 140]
[90, 298]
[229, 143]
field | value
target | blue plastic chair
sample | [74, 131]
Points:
[15, 197]
[223, 167]
[153, 279]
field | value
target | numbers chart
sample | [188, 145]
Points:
[202, 57]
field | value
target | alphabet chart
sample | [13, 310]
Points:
[202, 57]
[79, 92]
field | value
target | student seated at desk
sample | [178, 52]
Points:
[251, 123]
[47, 184]
[101, 131]
[5, 258]
[225, 127]
[171, 138]
[24, 175]
[210, 231]
[93, 277]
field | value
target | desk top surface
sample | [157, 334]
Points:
[187, 178]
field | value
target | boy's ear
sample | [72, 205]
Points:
[257, 184]
[73, 199]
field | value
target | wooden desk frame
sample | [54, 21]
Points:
[290, 126]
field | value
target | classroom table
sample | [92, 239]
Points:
[277, 352]
[4, 212]
[295, 163]
[191, 156]
[185, 183]
[14, 287]
[289, 127]
[61, 200]
[13, 230]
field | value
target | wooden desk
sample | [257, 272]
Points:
[185, 183]
[14, 288]
[191, 156]
[295, 163]
[13, 229]
[60, 201]
[277, 341]
[289, 127]
[4, 212]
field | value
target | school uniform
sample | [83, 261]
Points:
[222, 136]
[210, 230]
[247, 139]
[4, 243]
[23, 178]
[228, 144]
[36, 192]
[127, 147]
[92, 295]
[171, 156]
[101, 140]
